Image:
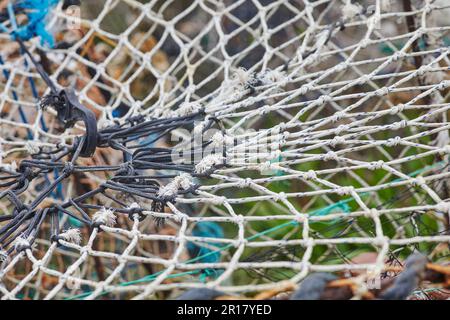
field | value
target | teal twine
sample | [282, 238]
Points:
[37, 12]
[255, 236]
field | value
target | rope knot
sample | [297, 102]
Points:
[69, 167]
[397, 109]
[310, 175]
[305, 88]
[324, 99]
[32, 147]
[220, 140]
[418, 182]
[281, 196]
[183, 181]
[244, 183]
[338, 116]
[208, 163]
[125, 168]
[218, 200]
[27, 173]
[382, 92]
[341, 128]
[399, 125]
[3, 256]
[443, 207]
[337, 140]
[134, 210]
[343, 191]
[104, 217]
[350, 10]
[376, 165]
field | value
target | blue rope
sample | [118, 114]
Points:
[37, 12]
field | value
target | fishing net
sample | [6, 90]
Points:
[148, 148]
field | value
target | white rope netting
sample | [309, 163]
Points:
[328, 120]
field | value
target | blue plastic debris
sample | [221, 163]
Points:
[36, 26]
